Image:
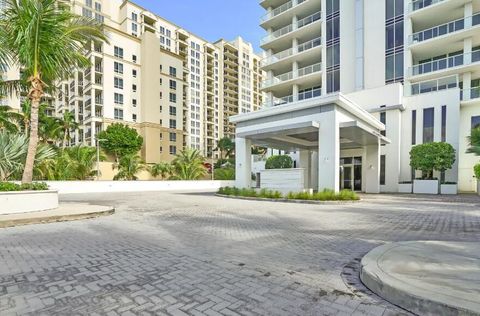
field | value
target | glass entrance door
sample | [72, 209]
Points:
[351, 173]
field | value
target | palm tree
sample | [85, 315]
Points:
[68, 124]
[188, 165]
[474, 141]
[9, 120]
[46, 40]
[226, 145]
[162, 169]
[50, 129]
[128, 167]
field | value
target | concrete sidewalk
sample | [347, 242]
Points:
[426, 277]
[65, 212]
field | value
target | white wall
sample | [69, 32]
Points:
[65, 187]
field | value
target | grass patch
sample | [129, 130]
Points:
[35, 186]
[326, 195]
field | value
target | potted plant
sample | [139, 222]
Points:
[476, 170]
[430, 157]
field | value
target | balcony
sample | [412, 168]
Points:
[269, 16]
[312, 93]
[283, 78]
[291, 28]
[421, 4]
[470, 94]
[444, 83]
[446, 63]
[284, 55]
[444, 29]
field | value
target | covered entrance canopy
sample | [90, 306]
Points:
[319, 128]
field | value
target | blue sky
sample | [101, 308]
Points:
[212, 19]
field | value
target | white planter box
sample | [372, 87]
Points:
[27, 201]
[478, 187]
[425, 186]
[283, 180]
[405, 188]
[448, 189]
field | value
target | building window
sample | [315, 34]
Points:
[134, 87]
[173, 71]
[134, 16]
[118, 114]
[134, 73]
[134, 117]
[173, 124]
[161, 136]
[173, 110]
[118, 98]
[98, 7]
[333, 45]
[383, 119]
[382, 169]
[414, 127]
[134, 102]
[173, 137]
[134, 28]
[173, 85]
[173, 150]
[444, 123]
[134, 58]
[475, 122]
[173, 98]
[118, 52]
[118, 83]
[118, 67]
[428, 122]
[394, 19]
[89, 3]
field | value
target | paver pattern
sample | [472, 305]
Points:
[198, 254]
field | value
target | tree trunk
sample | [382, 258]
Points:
[65, 138]
[35, 94]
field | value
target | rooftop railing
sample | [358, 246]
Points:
[470, 94]
[434, 85]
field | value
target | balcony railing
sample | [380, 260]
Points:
[470, 94]
[292, 75]
[284, 7]
[313, 93]
[289, 52]
[444, 29]
[434, 85]
[420, 4]
[445, 63]
[291, 27]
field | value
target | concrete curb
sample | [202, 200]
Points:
[422, 300]
[287, 200]
[65, 212]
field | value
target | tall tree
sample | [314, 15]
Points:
[68, 124]
[47, 41]
[120, 140]
[226, 145]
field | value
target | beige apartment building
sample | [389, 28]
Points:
[177, 89]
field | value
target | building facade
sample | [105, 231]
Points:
[413, 66]
[174, 87]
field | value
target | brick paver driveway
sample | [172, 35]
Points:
[197, 254]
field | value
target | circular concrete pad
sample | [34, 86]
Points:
[426, 277]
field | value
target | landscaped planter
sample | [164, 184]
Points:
[425, 186]
[448, 189]
[27, 201]
[405, 188]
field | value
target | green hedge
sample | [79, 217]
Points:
[35, 186]
[279, 162]
[224, 174]
[326, 195]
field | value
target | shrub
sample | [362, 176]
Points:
[224, 174]
[34, 186]
[326, 195]
[279, 162]
[476, 171]
[428, 157]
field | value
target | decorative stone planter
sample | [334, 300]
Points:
[405, 187]
[27, 201]
[425, 186]
[448, 189]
